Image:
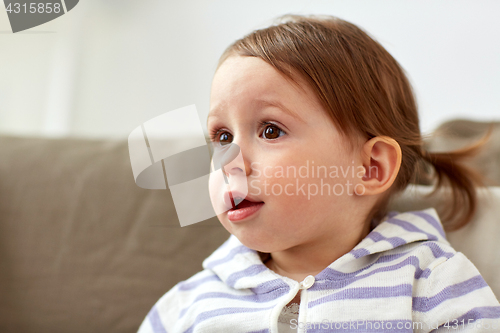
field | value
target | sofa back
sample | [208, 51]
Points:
[83, 249]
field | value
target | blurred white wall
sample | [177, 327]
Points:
[109, 65]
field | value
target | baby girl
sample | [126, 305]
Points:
[327, 128]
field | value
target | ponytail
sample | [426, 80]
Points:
[449, 169]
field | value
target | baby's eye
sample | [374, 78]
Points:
[225, 138]
[272, 132]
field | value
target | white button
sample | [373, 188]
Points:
[308, 282]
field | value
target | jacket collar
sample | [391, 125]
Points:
[240, 267]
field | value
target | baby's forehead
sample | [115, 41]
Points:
[241, 72]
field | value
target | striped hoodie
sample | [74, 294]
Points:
[403, 277]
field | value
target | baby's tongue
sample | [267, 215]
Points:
[246, 203]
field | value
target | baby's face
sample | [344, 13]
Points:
[284, 135]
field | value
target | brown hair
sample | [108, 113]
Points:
[365, 92]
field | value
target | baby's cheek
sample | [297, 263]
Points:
[216, 187]
[291, 194]
[306, 193]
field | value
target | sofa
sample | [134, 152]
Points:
[84, 249]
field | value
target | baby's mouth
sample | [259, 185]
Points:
[238, 204]
[242, 207]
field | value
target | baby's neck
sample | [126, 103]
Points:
[298, 263]
[297, 276]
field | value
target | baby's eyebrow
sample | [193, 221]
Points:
[213, 113]
[263, 103]
[277, 104]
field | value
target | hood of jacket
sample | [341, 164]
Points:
[242, 268]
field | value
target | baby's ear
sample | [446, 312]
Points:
[381, 158]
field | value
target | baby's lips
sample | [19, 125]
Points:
[226, 199]
[229, 197]
[236, 195]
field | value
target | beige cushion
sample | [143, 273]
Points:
[479, 240]
[82, 248]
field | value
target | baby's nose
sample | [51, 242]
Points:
[232, 161]
[229, 159]
[230, 155]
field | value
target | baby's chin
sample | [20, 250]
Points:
[264, 243]
[253, 235]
